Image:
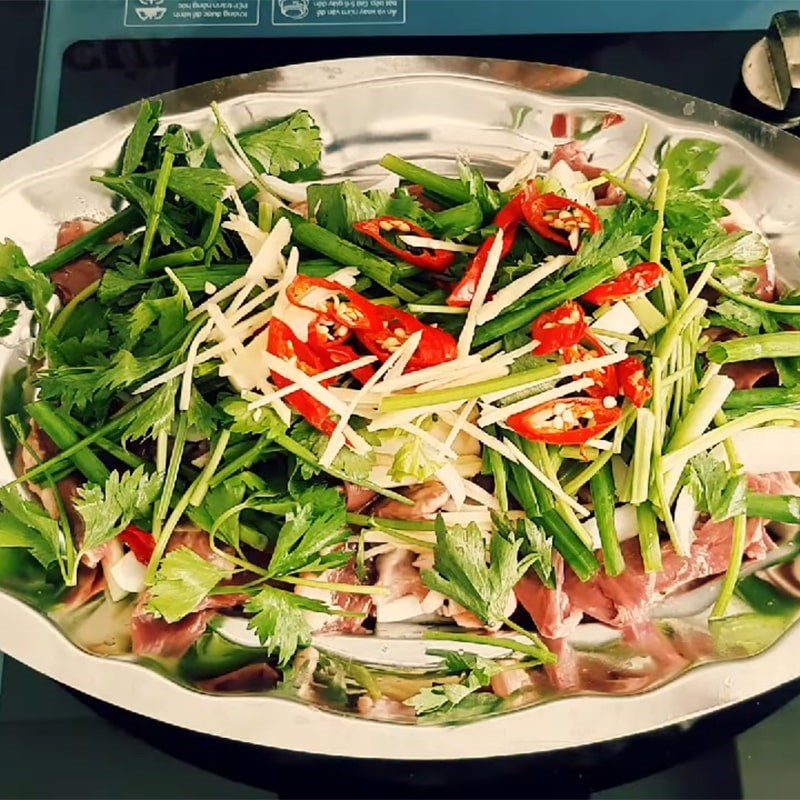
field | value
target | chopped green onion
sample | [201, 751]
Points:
[642, 456]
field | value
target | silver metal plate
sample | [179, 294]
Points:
[425, 109]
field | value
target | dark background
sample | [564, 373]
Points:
[53, 744]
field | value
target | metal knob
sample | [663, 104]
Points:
[771, 69]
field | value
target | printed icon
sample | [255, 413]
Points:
[150, 14]
[293, 9]
[151, 2]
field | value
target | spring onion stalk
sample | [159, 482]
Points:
[69, 309]
[383, 272]
[739, 538]
[750, 399]
[156, 206]
[603, 498]
[451, 188]
[543, 655]
[785, 344]
[520, 485]
[112, 448]
[648, 538]
[217, 452]
[642, 455]
[753, 302]
[183, 258]
[701, 414]
[520, 315]
[577, 555]
[775, 507]
[623, 426]
[124, 220]
[540, 455]
[714, 437]
[65, 437]
[403, 402]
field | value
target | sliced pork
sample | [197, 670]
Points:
[749, 374]
[427, 498]
[249, 679]
[357, 497]
[573, 155]
[71, 279]
[550, 609]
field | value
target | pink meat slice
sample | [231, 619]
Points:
[360, 604]
[550, 609]
[71, 279]
[357, 497]
[766, 287]
[748, 374]
[252, 678]
[505, 684]
[427, 499]
[573, 155]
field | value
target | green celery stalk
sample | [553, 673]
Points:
[602, 488]
[785, 344]
[753, 302]
[181, 258]
[122, 221]
[497, 465]
[64, 316]
[648, 537]
[451, 188]
[701, 414]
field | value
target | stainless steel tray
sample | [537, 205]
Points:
[426, 109]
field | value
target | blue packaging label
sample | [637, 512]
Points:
[338, 12]
[185, 13]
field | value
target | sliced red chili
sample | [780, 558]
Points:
[562, 327]
[340, 304]
[508, 220]
[285, 345]
[420, 257]
[560, 219]
[633, 282]
[565, 422]
[633, 382]
[140, 543]
[605, 379]
[436, 346]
